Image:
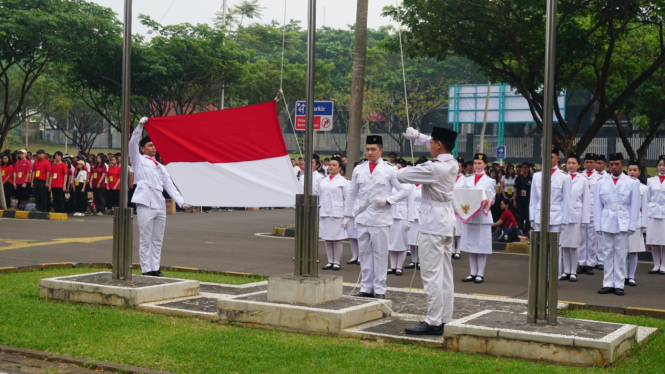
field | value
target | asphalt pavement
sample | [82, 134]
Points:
[240, 241]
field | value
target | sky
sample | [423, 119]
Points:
[338, 13]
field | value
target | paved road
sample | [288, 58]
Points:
[228, 241]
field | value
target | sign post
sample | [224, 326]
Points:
[323, 115]
[501, 153]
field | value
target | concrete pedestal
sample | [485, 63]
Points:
[304, 290]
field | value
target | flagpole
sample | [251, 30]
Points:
[122, 220]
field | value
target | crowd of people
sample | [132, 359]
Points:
[63, 183]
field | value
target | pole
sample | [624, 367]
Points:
[66, 129]
[122, 221]
[307, 212]
[221, 101]
[481, 146]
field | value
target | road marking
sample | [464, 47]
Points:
[8, 244]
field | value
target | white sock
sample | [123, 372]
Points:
[330, 252]
[393, 259]
[338, 248]
[354, 249]
[401, 256]
[482, 259]
[566, 261]
[473, 262]
[574, 260]
[414, 253]
[656, 253]
[632, 265]
[662, 258]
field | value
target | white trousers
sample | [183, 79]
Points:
[152, 223]
[615, 248]
[373, 256]
[436, 271]
[589, 245]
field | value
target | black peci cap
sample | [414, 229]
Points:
[460, 160]
[144, 141]
[601, 158]
[374, 139]
[556, 150]
[661, 158]
[616, 156]
[590, 157]
[634, 162]
[574, 155]
[444, 135]
[480, 156]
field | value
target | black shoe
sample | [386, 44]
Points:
[351, 262]
[572, 278]
[362, 294]
[631, 282]
[479, 279]
[328, 266]
[654, 271]
[564, 277]
[410, 266]
[408, 253]
[589, 270]
[147, 274]
[619, 292]
[418, 265]
[606, 290]
[399, 272]
[358, 262]
[379, 296]
[469, 278]
[336, 267]
[157, 273]
[391, 271]
[456, 256]
[425, 329]
[600, 267]
[580, 269]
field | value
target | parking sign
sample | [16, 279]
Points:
[323, 115]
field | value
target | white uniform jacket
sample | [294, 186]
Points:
[617, 206]
[593, 179]
[368, 187]
[644, 207]
[438, 182]
[484, 183]
[150, 179]
[559, 198]
[580, 211]
[655, 198]
[316, 178]
[332, 194]
[417, 200]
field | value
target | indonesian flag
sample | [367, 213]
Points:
[468, 202]
[229, 158]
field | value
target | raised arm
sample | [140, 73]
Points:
[133, 147]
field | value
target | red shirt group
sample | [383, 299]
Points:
[113, 177]
[40, 168]
[59, 173]
[7, 173]
[22, 168]
[96, 181]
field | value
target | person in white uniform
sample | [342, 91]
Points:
[398, 239]
[316, 176]
[656, 218]
[415, 227]
[333, 190]
[477, 233]
[571, 237]
[559, 197]
[601, 166]
[437, 226]
[616, 213]
[636, 241]
[151, 178]
[589, 243]
[353, 233]
[460, 181]
[373, 182]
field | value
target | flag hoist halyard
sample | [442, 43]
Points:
[230, 158]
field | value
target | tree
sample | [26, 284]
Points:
[37, 33]
[507, 40]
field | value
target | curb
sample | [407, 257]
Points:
[21, 214]
[572, 305]
[281, 231]
[517, 248]
[81, 362]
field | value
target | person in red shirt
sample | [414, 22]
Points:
[113, 184]
[98, 183]
[58, 182]
[21, 178]
[41, 174]
[507, 219]
[6, 174]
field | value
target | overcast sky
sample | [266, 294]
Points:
[338, 13]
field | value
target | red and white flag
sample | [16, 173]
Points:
[230, 158]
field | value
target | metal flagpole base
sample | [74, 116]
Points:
[122, 244]
[307, 237]
[553, 284]
[534, 251]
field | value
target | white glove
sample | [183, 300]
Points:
[345, 223]
[143, 121]
[186, 206]
[411, 133]
[380, 202]
[408, 225]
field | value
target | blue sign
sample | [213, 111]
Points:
[501, 152]
[321, 108]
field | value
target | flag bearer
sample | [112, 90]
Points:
[437, 226]
[333, 189]
[616, 213]
[372, 183]
[571, 237]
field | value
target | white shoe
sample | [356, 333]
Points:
[100, 213]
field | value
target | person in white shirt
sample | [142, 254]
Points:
[460, 182]
[333, 190]
[616, 213]
[589, 244]
[437, 226]
[656, 218]
[559, 197]
[571, 237]
[415, 227]
[636, 241]
[373, 182]
[477, 233]
[398, 239]
[316, 176]
[151, 179]
[296, 168]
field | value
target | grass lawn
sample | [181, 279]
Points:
[187, 345]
